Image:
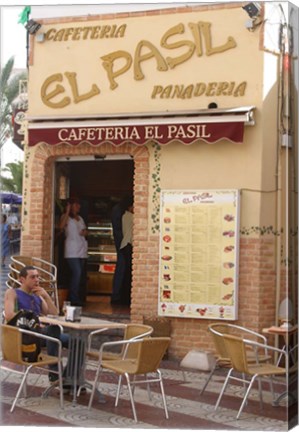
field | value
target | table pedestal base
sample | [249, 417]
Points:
[283, 395]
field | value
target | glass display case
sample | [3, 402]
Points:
[101, 258]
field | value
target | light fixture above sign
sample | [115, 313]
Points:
[253, 9]
[32, 26]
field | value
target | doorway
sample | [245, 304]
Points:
[99, 183]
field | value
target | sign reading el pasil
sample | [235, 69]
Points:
[119, 65]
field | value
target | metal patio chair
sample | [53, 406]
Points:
[237, 353]
[132, 331]
[11, 345]
[150, 352]
[222, 358]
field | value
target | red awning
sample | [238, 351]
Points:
[224, 125]
[118, 135]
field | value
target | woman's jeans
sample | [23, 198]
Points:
[127, 279]
[77, 280]
[118, 277]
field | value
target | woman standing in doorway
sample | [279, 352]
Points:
[75, 250]
[126, 250]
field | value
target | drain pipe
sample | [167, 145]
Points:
[278, 183]
[284, 138]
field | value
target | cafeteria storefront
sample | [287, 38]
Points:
[180, 118]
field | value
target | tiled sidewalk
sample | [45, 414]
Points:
[187, 409]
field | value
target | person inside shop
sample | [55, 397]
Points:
[116, 220]
[14, 224]
[75, 250]
[126, 250]
[12, 219]
[5, 239]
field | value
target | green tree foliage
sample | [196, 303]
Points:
[14, 182]
[9, 90]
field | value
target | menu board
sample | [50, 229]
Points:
[198, 261]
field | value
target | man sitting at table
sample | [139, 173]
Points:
[30, 296]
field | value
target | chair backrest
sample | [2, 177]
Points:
[217, 330]
[46, 268]
[236, 350]
[135, 331]
[244, 332]
[11, 281]
[21, 260]
[11, 343]
[150, 353]
[237, 330]
[17, 263]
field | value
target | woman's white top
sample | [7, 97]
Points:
[75, 245]
[127, 228]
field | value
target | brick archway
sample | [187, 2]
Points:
[37, 238]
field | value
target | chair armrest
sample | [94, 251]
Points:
[125, 343]
[251, 332]
[42, 279]
[258, 338]
[294, 349]
[267, 348]
[258, 344]
[44, 337]
[92, 334]
[51, 269]
[47, 283]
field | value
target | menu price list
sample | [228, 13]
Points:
[198, 254]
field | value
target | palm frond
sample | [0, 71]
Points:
[15, 181]
[9, 90]
[6, 73]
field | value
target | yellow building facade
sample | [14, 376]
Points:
[185, 97]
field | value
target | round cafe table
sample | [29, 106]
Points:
[286, 333]
[78, 337]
